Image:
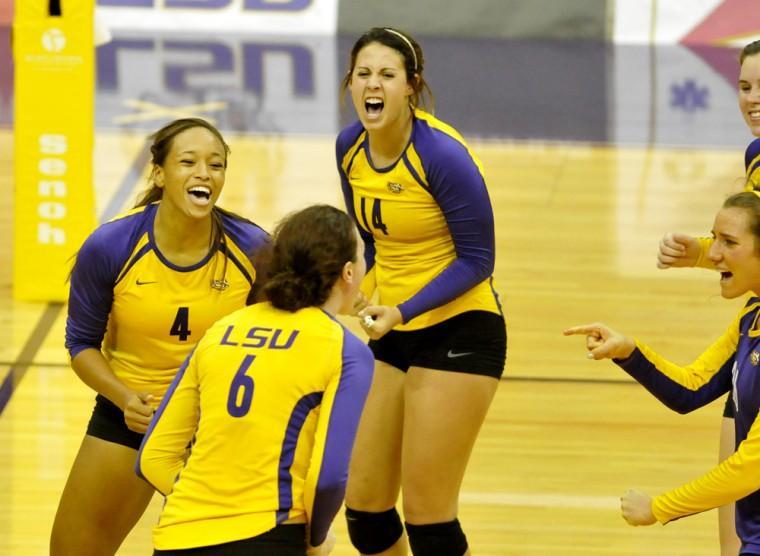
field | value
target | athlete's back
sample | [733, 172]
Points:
[268, 404]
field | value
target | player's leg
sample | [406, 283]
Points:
[103, 497]
[449, 387]
[374, 475]
[101, 502]
[443, 414]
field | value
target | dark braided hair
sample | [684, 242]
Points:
[308, 252]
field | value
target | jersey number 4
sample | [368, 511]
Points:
[181, 326]
[377, 216]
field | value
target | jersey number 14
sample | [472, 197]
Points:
[377, 216]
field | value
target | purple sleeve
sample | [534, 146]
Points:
[355, 380]
[90, 295]
[460, 191]
[673, 395]
[98, 265]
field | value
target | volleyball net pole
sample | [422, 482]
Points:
[54, 129]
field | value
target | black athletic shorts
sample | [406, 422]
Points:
[728, 411]
[107, 423]
[474, 342]
[283, 540]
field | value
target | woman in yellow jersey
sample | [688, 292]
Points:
[418, 195]
[270, 399]
[729, 365]
[144, 288]
[682, 250]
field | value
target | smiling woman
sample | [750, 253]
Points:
[730, 364]
[734, 251]
[144, 289]
[680, 250]
[749, 86]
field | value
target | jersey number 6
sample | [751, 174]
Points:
[239, 404]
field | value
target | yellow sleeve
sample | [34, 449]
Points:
[702, 260]
[733, 479]
[164, 449]
[315, 466]
[698, 373]
[339, 414]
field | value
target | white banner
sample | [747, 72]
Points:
[717, 22]
[256, 84]
[289, 17]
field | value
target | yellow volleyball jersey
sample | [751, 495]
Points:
[427, 222]
[272, 400]
[144, 312]
[730, 363]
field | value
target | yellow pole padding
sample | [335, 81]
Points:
[54, 210]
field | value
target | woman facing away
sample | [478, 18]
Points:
[268, 404]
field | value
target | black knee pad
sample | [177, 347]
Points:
[373, 532]
[437, 539]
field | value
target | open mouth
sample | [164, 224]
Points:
[374, 107]
[725, 275]
[200, 194]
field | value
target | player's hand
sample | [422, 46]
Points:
[377, 320]
[138, 412]
[678, 250]
[323, 549]
[636, 508]
[603, 342]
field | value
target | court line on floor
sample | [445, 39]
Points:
[534, 500]
[34, 341]
[41, 330]
[544, 379]
[573, 380]
[35, 364]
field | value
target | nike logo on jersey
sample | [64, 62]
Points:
[139, 283]
[452, 355]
